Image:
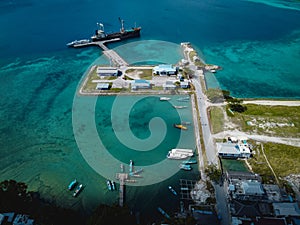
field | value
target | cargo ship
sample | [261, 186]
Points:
[100, 34]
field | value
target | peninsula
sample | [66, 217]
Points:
[218, 185]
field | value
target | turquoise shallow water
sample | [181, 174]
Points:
[39, 146]
[258, 69]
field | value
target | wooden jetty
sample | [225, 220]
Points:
[123, 178]
[116, 59]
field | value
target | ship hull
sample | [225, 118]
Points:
[125, 35]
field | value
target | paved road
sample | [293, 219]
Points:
[210, 149]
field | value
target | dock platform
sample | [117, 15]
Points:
[123, 178]
[113, 56]
[186, 186]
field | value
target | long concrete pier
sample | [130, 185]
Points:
[113, 56]
[123, 178]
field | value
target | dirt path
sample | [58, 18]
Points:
[262, 138]
[263, 152]
[271, 102]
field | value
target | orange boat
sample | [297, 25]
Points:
[180, 126]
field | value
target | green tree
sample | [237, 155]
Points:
[213, 172]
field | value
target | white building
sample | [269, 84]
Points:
[233, 150]
[252, 187]
[107, 71]
[169, 85]
[185, 84]
[164, 70]
[102, 86]
[140, 84]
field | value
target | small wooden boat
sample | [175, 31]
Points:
[180, 126]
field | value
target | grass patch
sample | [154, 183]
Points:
[284, 160]
[110, 78]
[157, 88]
[128, 78]
[89, 85]
[281, 121]
[217, 119]
[192, 54]
[198, 63]
[145, 74]
[215, 95]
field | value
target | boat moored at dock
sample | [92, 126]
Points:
[180, 126]
[178, 153]
[78, 42]
[130, 166]
[179, 106]
[164, 99]
[78, 190]
[109, 185]
[183, 99]
[190, 161]
[113, 185]
[163, 213]
[172, 190]
[100, 35]
[185, 167]
[72, 184]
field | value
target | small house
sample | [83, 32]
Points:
[164, 70]
[233, 150]
[169, 85]
[140, 84]
[107, 71]
[102, 86]
[185, 84]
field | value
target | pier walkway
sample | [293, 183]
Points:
[123, 178]
[114, 57]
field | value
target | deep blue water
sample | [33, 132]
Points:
[220, 29]
[257, 45]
